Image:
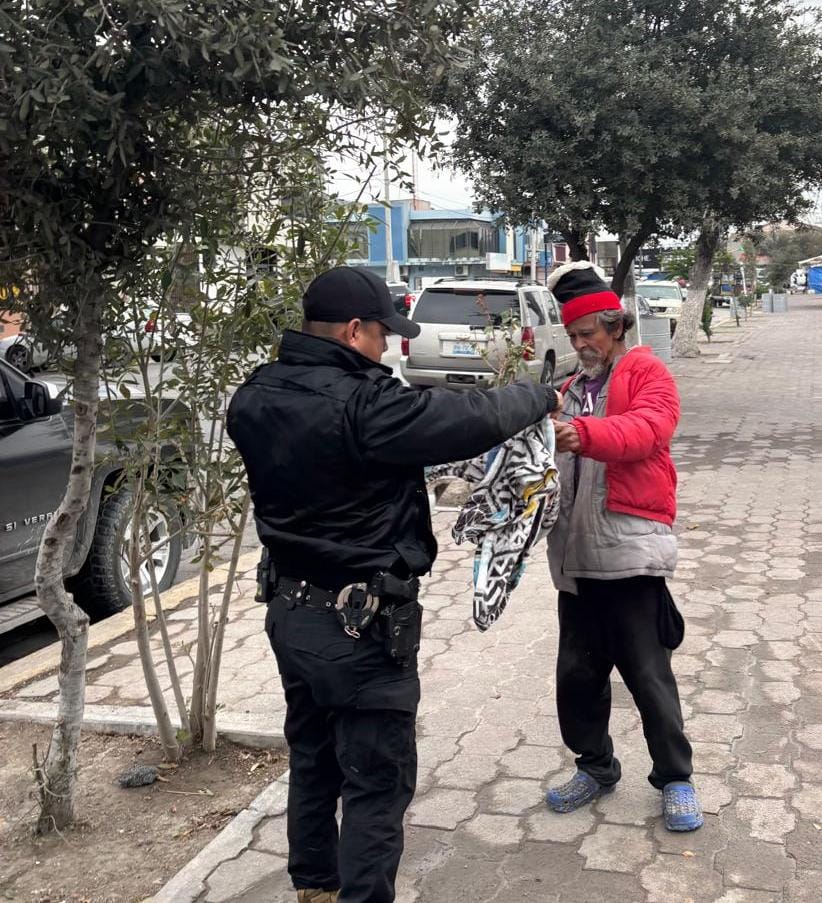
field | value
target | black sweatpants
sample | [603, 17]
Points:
[350, 727]
[613, 623]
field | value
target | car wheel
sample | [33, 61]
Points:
[167, 355]
[673, 328]
[20, 357]
[117, 353]
[547, 378]
[102, 586]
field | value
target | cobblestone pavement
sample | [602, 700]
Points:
[750, 675]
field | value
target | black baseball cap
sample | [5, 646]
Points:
[349, 293]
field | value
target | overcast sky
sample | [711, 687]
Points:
[443, 189]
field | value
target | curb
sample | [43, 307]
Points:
[237, 836]
[248, 730]
[48, 659]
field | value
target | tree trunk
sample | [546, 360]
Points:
[198, 689]
[575, 239]
[628, 249]
[57, 775]
[216, 653]
[627, 289]
[174, 677]
[168, 738]
[687, 329]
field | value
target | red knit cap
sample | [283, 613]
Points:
[581, 290]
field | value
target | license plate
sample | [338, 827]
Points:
[465, 349]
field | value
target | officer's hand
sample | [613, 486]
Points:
[567, 437]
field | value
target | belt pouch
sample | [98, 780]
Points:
[402, 630]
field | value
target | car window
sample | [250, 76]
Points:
[5, 404]
[536, 313]
[11, 387]
[552, 306]
[461, 306]
[657, 292]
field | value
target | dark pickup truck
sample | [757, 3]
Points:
[35, 456]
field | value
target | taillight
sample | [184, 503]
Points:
[409, 300]
[404, 345]
[527, 342]
[151, 325]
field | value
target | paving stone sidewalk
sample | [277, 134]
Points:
[750, 673]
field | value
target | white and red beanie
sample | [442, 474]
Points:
[581, 290]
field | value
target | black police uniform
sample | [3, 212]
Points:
[335, 448]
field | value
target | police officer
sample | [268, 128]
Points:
[335, 447]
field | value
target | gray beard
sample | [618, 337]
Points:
[592, 370]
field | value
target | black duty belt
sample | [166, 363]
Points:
[356, 606]
[301, 592]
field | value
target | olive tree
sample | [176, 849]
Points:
[646, 117]
[760, 88]
[107, 146]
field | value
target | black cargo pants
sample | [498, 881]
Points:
[350, 727]
[613, 623]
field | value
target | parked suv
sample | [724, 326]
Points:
[663, 297]
[35, 458]
[401, 297]
[454, 347]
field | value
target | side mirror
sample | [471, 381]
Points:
[38, 401]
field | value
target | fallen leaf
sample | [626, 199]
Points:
[254, 767]
[689, 854]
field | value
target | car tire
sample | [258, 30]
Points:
[673, 328]
[117, 353]
[167, 355]
[20, 357]
[101, 587]
[548, 372]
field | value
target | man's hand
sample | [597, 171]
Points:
[558, 409]
[567, 437]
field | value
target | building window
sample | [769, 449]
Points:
[451, 239]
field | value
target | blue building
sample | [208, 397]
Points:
[430, 244]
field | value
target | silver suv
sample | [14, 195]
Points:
[454, 347]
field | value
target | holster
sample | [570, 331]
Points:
[266, 578]
[400, 617]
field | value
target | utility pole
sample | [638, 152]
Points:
[392, 270]
[533, 253]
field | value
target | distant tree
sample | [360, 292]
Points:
[577, 112]
[121, 119]
[757, 149]
[679, 263]
[786, 249]
[642, 116]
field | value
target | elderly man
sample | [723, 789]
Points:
[335, 449]
[612, 550]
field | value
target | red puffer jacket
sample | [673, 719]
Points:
[633, 438]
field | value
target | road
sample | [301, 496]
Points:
[37, 634]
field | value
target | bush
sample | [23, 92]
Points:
[707, 318]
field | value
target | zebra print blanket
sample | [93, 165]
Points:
[516, 500]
